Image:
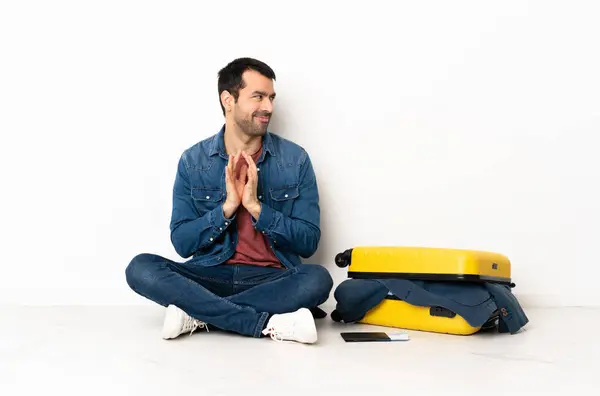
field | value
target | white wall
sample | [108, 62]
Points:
[449, 124]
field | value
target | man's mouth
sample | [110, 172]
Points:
[263, 119]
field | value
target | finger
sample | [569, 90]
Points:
[251, 163]
[243, 153]
[252, 179]
[228, 181]
[253, 166]
[230, 164]
[247, 157]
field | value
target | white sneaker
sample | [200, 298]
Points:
[178, 322]
[295, 326]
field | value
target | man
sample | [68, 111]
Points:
[245, 209]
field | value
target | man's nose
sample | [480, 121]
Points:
[266, 105]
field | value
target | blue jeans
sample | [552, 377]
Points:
[236, 298]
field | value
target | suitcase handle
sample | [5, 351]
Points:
[440, 311]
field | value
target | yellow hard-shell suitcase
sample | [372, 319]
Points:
[423, 263]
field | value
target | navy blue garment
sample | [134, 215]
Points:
[512, 316]
[475, 302]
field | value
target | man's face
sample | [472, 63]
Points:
[254, 107]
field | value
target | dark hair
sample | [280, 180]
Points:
[230, 77]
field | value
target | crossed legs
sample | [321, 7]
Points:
[236, 298]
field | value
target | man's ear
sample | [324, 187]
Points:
[226, 100]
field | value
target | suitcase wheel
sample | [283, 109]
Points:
[343, 259]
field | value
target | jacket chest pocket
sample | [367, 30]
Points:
[207, 198]
[283, 198]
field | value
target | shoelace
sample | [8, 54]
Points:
[190, 324]
[279, 334]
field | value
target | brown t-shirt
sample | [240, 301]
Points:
[253, 247]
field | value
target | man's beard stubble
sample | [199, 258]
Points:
[251, 127]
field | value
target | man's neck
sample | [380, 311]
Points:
[236, 141]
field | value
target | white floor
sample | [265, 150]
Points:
[118, 351]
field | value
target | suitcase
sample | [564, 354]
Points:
[421, 263]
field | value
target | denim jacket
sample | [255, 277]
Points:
[287, 191]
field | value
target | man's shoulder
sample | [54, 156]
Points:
[198, 153]
[287, 148]
[204, 145]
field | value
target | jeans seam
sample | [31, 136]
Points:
[261, 324]
[216, 280]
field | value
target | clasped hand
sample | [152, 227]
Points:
[242, 188]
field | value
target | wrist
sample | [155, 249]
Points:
[254, 209]
[228, 209]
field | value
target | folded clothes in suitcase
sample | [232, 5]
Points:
[450, 291]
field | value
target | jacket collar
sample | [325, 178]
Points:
[218, 144]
